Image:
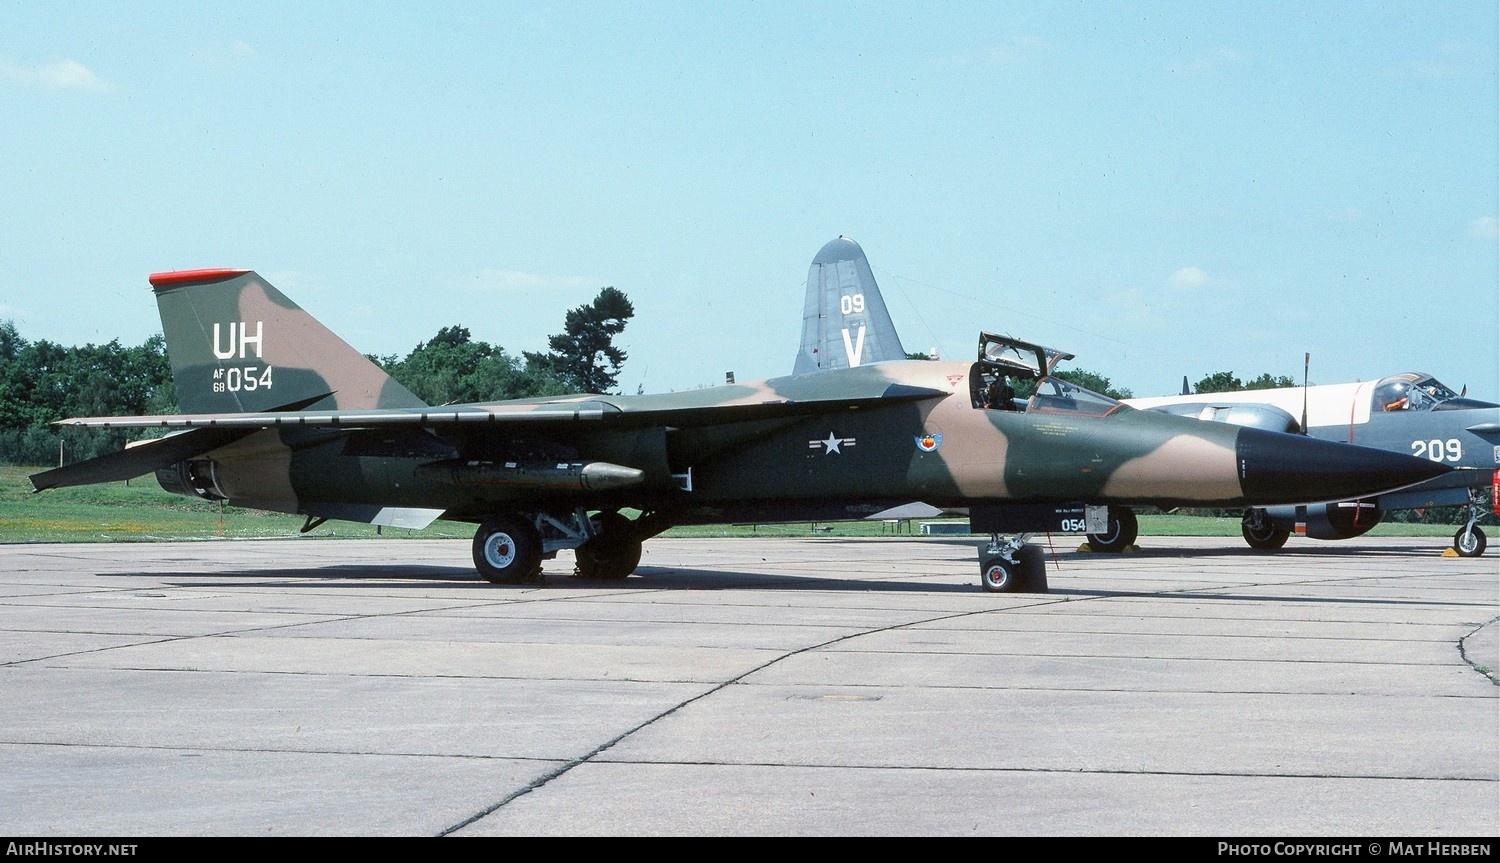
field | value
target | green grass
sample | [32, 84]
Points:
[139, 511]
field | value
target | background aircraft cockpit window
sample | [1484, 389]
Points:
[1409, 393]
[1391, 395]
[1055, 395]
[1433, 387]
[1421, 392]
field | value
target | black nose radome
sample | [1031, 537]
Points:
[1282, 468]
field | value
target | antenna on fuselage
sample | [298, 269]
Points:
[1306, 361]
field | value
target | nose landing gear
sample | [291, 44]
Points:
[1009, 565]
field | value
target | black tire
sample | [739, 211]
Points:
[613, 553]
[999, 575]
[608, 559]
[507, 550]
[1034, 569]
[1469, 543]
[1265, 536]
[1122, 531]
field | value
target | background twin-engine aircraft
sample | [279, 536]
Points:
[1409, 412]
[281, 414]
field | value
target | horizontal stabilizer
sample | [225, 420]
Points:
[139, 459]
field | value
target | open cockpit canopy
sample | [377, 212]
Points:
[1013, 375]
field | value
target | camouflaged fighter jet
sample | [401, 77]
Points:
[283, 415]
[1410, 412]
[1407, 413]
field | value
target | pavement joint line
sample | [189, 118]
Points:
[541, 781]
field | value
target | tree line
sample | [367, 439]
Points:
[42, 382]
[452, 367]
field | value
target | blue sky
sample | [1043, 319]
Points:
[1163, 189]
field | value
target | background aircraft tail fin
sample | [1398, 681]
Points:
[239, 345]
[844, 319]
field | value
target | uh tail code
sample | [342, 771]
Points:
[237, 344]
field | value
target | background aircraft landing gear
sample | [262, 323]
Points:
[507, 551]
[612, 553]
[1012, 566]
[1122, 529]
[1469, 541]
[1261, 532]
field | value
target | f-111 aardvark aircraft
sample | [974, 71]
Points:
[283, 415]
[845, 324]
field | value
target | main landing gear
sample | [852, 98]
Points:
[1120, 531]
[509, 549]
[612, 553]
[1470, 541]
[1009, 565]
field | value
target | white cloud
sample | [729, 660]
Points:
[1451, 59]
[1188, 278]
[1485, 228]
[62, 75]
[70, 75]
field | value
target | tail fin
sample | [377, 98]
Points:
[239, 345]
[844, 321]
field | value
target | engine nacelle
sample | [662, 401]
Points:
[1343, 520]
[1265, 417]
[192, 478]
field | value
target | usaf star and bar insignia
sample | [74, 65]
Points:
[831, 444]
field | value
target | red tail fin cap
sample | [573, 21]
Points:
[177, 277]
